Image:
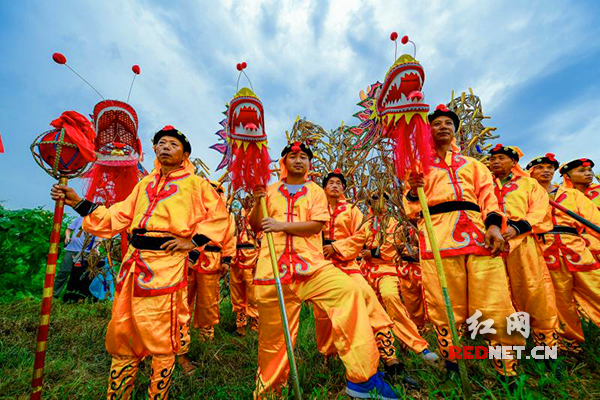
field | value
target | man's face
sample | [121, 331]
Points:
[501, 164]
[442, 130]
[169, 151]
[297, 163]
[334, 188]
[581, 175]
[543, 173]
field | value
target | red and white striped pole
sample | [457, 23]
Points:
[44, 324]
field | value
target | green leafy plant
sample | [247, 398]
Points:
[24, 236]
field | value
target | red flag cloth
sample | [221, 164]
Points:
[80, 130]
[1, 145]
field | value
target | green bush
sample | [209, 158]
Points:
[24, 236]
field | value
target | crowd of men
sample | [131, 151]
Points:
[504, 248]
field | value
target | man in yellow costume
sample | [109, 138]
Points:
[579, 175]
[210, 263]
[525, 204]
[344, 238]
[241, 275]
[150, 306]
[297, 212]
[380, 259]
[574, 270]
[467, 221]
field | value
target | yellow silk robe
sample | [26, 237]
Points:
[524, 199]
[571, 248]
[298, 255]
[456, 178]
[348, 239]
[387, 262]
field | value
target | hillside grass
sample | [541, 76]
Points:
[77, 364]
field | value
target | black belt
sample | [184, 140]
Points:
[409, 259]
[148, 242]
[328, 242]
[245, 246]
[563, 229]
[450, 206]
[212, 249]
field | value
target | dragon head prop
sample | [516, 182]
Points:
[395, 109]
[244, 140]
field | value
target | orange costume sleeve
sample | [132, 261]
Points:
[349, 238]
[463, 179]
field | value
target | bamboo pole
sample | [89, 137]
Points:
[46, 307]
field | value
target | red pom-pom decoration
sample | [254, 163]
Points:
[394, 36]
[136, 69]
[239, 66]
[296, 147]
[498, 147]
[404, 39]
[550, 156]
[168, 128]
[59, 58]
[442, 107]
[337, 170]
[244, 65]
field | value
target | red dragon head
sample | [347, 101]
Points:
[245, 117]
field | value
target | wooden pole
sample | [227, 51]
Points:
[284, 320]
[462, 368]
[43, 326]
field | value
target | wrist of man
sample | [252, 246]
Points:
[412, 195]
[85, 207]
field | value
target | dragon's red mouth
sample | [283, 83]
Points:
[398, 89]
[247, 119]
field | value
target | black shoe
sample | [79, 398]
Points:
[452, 379]
[399, 370]
[556, 366]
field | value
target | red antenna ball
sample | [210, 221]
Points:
[239, 66]
[136, 69]
[59, 58]
[244, 65]
[394, 36]
[404, 39]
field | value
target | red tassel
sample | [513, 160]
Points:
[250, 167]
[413, 146]
[110, 184]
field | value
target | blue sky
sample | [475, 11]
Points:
[534, 65]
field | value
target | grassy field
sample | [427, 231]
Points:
[77, 364]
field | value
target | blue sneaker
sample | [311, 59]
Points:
[375, 387]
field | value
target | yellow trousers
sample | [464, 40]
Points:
[576, 290]
[411, 289]
[380, 323]
[203, 290]
[474, 283]
[141, 327]
[243, 300]
[532, 290]
[405, 330]
[123, 371]
[340, 297]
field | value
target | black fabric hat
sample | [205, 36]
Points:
[546, 159]
[443, 111]
[172, 132]
[296, 147]
[586, 162]
[335, 173]
[507, 151]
